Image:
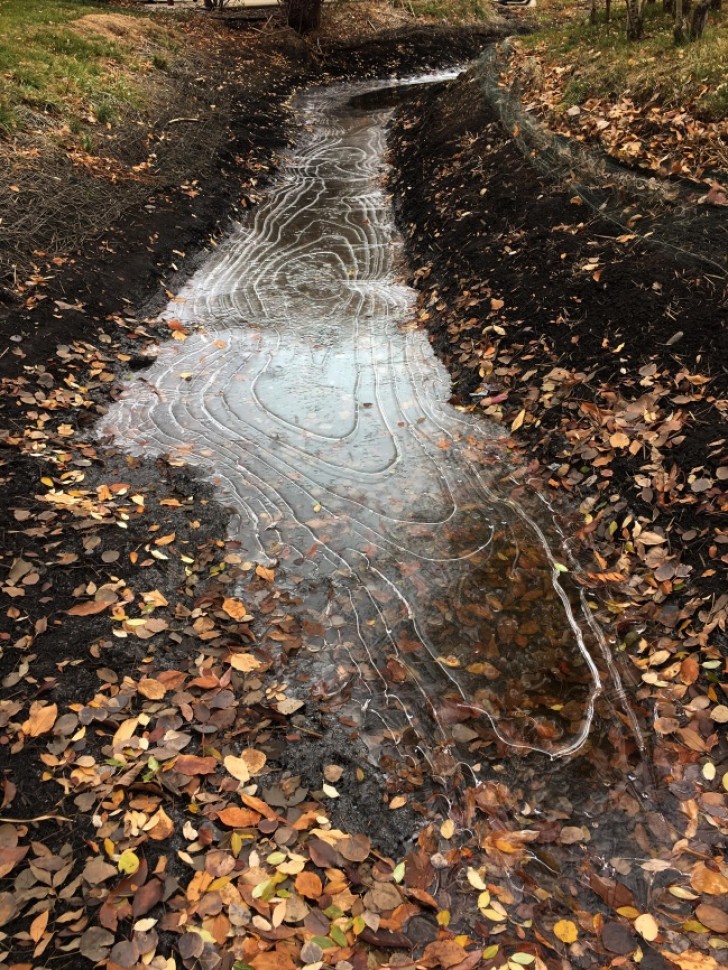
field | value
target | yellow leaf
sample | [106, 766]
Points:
[475, 879]
[236, 844]
[566, 931]
[646, 926]
[518, 421]
[237, 767]
[447, 829]
[128, 862]
[443, 917]
[398, 801]
[629, 912]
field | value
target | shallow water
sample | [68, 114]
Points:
[439, 620]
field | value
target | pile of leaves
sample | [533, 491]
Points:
[638, 133]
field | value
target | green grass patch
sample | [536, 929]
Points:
[57, 65]
[602, 63]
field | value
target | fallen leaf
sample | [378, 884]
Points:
[566, 931]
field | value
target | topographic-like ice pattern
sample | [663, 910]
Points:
[306, 392]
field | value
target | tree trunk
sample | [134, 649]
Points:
[668, 6]
[593, 12]
[635, 19]
[698, 19]
[677, 30]
[716, 5]
[304, 15]
[607, 10]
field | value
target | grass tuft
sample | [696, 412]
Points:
[58, 65]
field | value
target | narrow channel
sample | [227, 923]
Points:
[442, 622]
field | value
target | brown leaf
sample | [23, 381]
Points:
[443, 953]
[355, 848]
[95, 943]
[618, 938]
[146, 897]
[97, 871]
[41, 719]
[383, 897]
[192, 764]
[712, 917]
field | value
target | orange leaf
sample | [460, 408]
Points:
[235, 608]
[566, 931]
[244, 662]
[238, 818]
[309, 885]
[151, 689]
[258, 805]
[255, 760]
[705, 880]
[37, 927]
[89, 608]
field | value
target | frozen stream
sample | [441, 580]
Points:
[306, 392]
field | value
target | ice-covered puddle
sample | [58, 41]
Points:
[440, 623]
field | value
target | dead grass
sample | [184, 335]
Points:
[347, 19]
[128, 31]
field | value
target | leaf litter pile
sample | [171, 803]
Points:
[168, 800]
